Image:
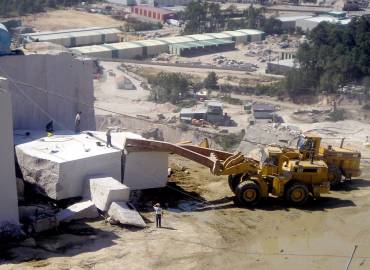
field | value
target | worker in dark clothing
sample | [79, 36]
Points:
[49, 128]
[78, 122]
[109, 138]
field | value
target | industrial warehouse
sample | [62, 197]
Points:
[189, 45]
[76, 37]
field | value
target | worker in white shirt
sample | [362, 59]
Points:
[158, 215]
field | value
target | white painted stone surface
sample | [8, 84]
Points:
[142, 170]
[126, 215]
[81, 210]
[59, 165]
[8, 189]
[103, 191]
[59, 83]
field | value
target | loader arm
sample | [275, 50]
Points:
[210, 161]
[219, 162]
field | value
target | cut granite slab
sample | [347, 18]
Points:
[126, 214]
[80, 210]
[103, 191]
[60, 164]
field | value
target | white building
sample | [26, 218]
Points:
[8, 191]
[310, 23]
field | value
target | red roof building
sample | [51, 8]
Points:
[153, 13]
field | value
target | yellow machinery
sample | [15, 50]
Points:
[342, 162]
[250, 179]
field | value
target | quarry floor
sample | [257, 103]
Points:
[213, 235]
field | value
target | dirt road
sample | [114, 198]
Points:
[215, 235]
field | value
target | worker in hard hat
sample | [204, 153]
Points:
[158, 215]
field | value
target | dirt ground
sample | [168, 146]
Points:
[214, 234]
[68, 19]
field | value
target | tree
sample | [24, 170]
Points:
[334, 56]
[210, 82]
[168, 87]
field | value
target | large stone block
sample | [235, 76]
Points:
[104, 191]
[144, 170]
[125, 214]
[59, 165]
[141, 170]
[81, 210]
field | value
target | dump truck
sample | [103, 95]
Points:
[250, 179]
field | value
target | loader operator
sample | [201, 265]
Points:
[301, 141]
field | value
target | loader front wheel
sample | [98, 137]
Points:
[248, 193]
[234, 181]
[297, 194]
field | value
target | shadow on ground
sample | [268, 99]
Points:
[355, 184]
[68, 240]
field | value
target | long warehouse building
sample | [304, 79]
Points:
[76, 37]
[188, 45]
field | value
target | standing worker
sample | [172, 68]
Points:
[109, 138]
[158, 215]
[78, 122]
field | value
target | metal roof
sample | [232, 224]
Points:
[214, 103]
[292, 18]
[90, 49]
[123, 45]
[149, 42]
[219, 35]
[44, 36]
[200, 37]
[201, 43]
[235, 33]
[263, 107]
[251, 31]
[193, 111]
[177, 39]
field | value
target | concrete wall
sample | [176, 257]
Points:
[130, 53]
[8, 190]
[46, 87]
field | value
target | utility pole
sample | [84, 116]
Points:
[350, 259]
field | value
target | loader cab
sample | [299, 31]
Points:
[275, 160]
[311, 146]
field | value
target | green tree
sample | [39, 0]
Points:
[168, 87]
[210, 82]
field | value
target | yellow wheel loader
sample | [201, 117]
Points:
[251, 179]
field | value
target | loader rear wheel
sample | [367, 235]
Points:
[335, 176]
[234, 181]
[297, 194]
[248, 193]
